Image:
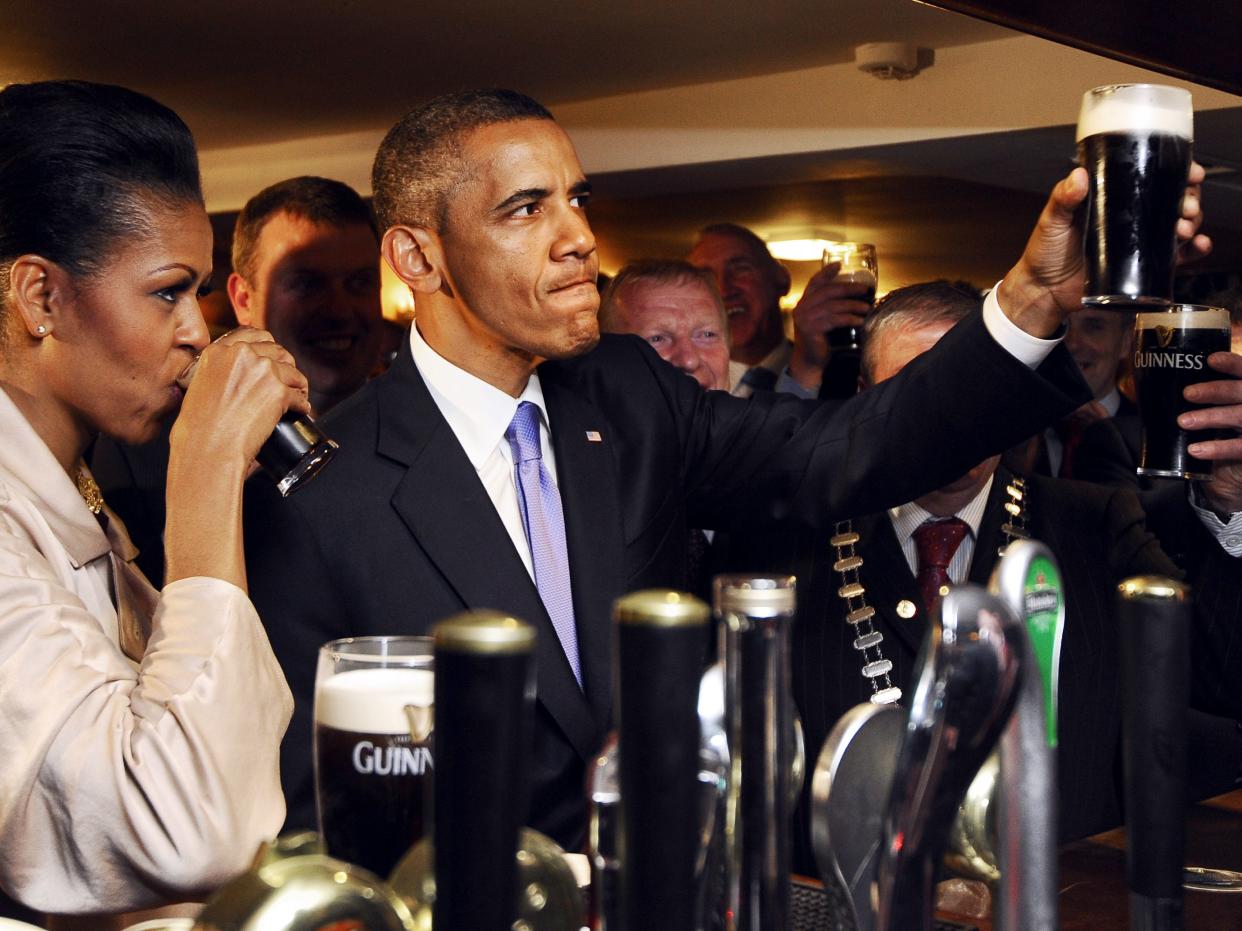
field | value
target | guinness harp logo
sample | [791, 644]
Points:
[1164, 335]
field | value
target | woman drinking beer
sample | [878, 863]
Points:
[139, 729]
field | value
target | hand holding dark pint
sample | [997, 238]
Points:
[1218, 412]
[274, 425]
[1171, 352]
[829, 317]
[1047, 282]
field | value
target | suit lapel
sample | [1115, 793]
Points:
[990, 536]
[890, 582]
[590, 496]
[453, 521]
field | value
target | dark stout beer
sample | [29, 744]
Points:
[295, 452]
[1171, 350]
[1135, 142]
[858, 267]
[372, 778]
[850, 337]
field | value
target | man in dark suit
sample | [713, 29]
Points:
[506, 385]
[1097, 534]
[1100, 441]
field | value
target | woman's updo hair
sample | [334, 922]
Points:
[80, 165]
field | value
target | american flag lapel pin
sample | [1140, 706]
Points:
[594, 437]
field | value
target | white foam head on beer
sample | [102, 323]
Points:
[372, 701]
[1123, 108]
[1185, 317]
[864, 276]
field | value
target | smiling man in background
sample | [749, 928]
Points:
[751, 284]
[306, 268]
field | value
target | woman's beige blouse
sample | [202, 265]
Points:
[121, 785]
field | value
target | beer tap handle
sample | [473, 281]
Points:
[1028, 580]
[968, 678]
[1154, 616]
[850, 789]
[485, 691]
[659, 637]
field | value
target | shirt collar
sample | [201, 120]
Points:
[909, 517]
[28, 466]
[778, 359]
[1111, 402]
[478, 413]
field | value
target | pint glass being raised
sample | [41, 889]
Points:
[1135, 142]
[373, 762]
[1170, 352]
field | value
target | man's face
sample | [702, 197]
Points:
[518, 254]
[890, 354]
[750, 287]
[1099, 340]
[682, 320]
[316, 289]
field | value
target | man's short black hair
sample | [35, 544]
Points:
[419, 162]
[318, 200]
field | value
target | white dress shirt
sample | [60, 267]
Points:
[479, 414]
[909, 517]
[123, 784]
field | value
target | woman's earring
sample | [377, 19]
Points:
[41, 330]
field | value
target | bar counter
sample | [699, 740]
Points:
[1093, 892]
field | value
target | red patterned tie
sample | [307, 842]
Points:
[937, 541]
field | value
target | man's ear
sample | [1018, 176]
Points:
[414, 255]
[242, 299]
[36, 286]
[783, 279]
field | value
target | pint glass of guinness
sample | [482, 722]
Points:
[374, 698]
[1134, 140]
[1170, 352]
[858, 266]
[294, 453]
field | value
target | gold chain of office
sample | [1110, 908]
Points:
[867, 640]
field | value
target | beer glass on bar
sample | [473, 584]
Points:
[1135, 142]
[374, 700]
[858, 266]
[1170, 352]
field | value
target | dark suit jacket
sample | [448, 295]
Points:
[1098, 536]
[1107, 453]
[398, 532]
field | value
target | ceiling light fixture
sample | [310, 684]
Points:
[800, 245]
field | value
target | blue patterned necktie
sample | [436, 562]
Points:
[544, 523]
